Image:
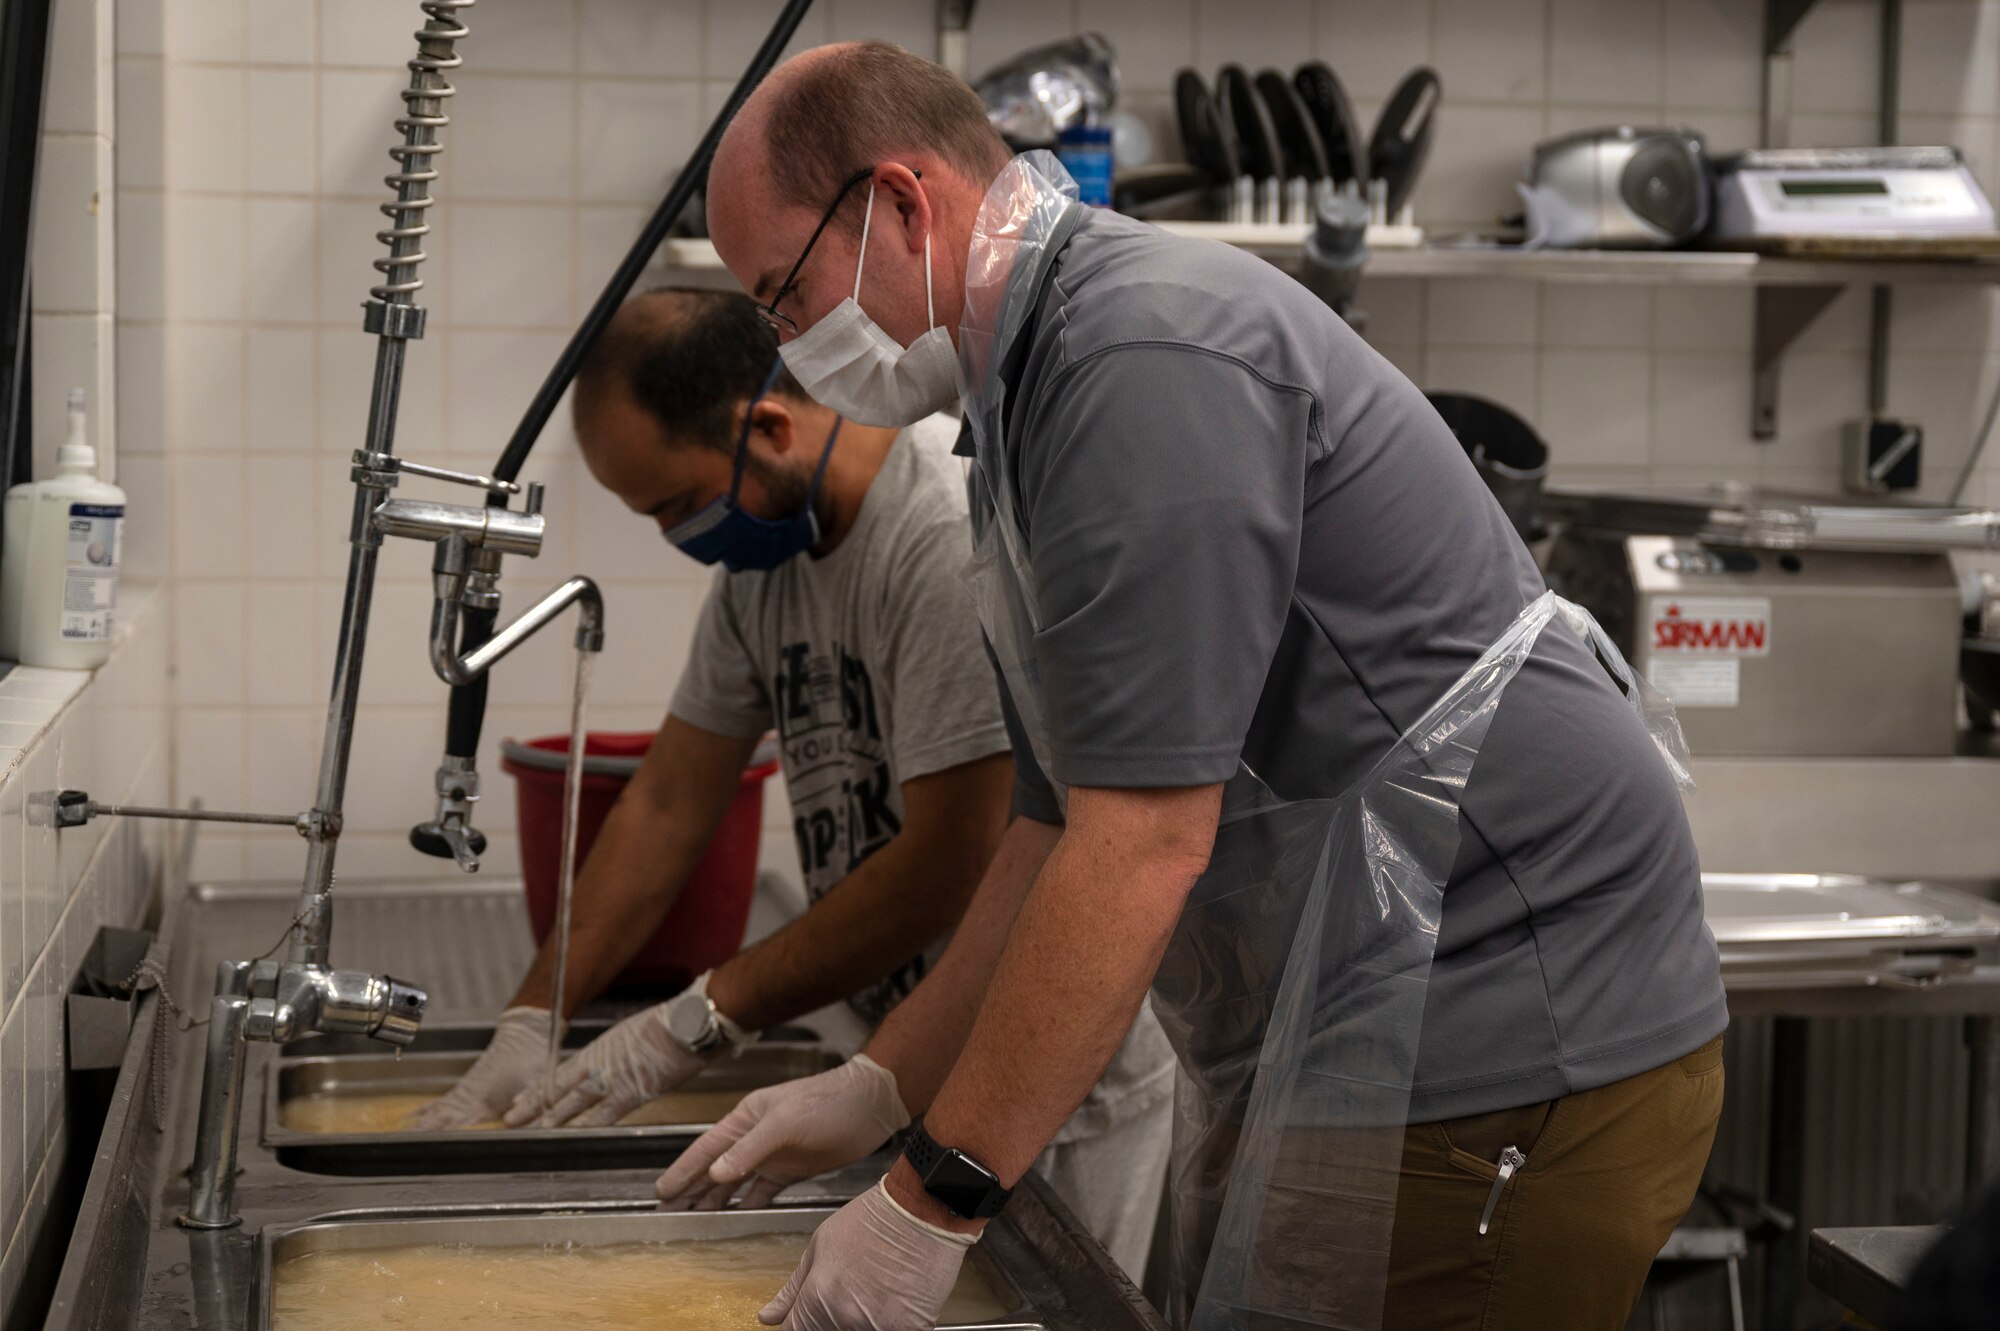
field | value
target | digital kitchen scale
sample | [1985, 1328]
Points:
[1870, 201]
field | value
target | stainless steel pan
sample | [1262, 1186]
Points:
[1005, 1262]
[523, 1150]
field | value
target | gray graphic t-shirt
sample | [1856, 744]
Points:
[868, 664]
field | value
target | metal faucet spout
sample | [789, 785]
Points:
[453, 668]
[212, 1178]
[277, 1004]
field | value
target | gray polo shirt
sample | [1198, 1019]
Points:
[1252, 538]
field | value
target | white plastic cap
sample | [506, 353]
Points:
[76, 451]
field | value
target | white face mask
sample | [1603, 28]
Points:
[846, 362]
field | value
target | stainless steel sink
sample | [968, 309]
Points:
[1010, 1268]
[525, 1150]
[129, 1268]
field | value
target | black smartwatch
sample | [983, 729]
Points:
[968, 1189]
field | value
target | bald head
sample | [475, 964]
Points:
[829, 112]
[831, 116]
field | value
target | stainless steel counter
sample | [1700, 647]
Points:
[1866, 1268]
[1928, 818]
[1798, 947]
[130, 1268]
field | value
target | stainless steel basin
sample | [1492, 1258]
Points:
[437, 1037]
[525, 1150]
[129, 1268]
[1017, 1277]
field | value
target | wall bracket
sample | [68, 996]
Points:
[1782, 314]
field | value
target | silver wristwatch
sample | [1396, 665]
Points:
[698, 1026]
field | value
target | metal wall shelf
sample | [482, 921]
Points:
[1791, 293]
[1672, 267]
[1401, 252]
[1283, 245]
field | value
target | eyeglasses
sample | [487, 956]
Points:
[770, 313]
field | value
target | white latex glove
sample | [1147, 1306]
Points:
[871, 1267]
[785, 1133]
[632, 1063]
[517, 1057]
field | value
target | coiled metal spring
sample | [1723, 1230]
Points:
[424, 115]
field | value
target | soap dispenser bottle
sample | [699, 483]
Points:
[59, 565]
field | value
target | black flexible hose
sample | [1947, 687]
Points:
[691, 177]
[463, 722]
[468, 701]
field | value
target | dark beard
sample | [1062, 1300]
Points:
[785, 489]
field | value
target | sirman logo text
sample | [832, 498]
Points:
[1673, 631]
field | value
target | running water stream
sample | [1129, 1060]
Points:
[566, 882]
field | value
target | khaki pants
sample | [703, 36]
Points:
[1610, 1172]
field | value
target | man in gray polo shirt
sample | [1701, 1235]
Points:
[1252, 544]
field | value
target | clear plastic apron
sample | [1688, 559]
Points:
[1293, 987]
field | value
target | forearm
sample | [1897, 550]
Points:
[1076, 967]
[892, 906]
[870, 923]
[1068, 986]
[921, 1039]
[630, 881]
[650, 842]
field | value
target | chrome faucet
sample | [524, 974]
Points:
[275, 1001]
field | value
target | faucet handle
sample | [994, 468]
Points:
[534, 504]
[389, 464]
[450, 840]
[451, 835]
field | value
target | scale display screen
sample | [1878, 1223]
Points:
[1808, 189]
[1915, 201]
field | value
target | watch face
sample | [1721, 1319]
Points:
[960, 1184]
[690, 1021]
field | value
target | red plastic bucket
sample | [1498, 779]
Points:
[705, 926]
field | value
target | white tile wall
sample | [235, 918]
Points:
[68, 726]
[105, 733]
[75, 249]
[255, 141]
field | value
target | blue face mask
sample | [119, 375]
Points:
[726, 533]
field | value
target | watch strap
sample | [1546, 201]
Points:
[926, 1156]
[921, 1149]
[735, 1035]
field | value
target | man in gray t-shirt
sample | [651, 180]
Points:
[1246, 543]
[838, 621]
[866, 662]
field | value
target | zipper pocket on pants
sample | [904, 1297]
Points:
[1511, 1160]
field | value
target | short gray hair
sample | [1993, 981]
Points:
[854, 107]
